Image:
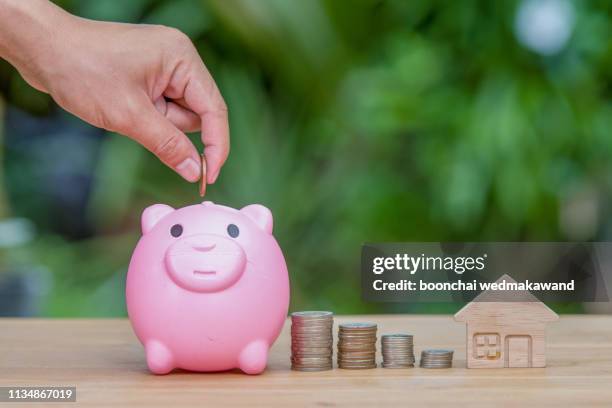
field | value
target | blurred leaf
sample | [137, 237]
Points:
[189, 16]
[361, 120]
[124, 11]
[116, 172]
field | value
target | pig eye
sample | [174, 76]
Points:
[176, 230]
[233, 230]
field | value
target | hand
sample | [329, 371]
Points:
[143, 81]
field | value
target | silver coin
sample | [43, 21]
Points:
[362, 356]
[324, 329]
[384, 365]
[298, 355]
[356, 342]
[307, 332]
[437, 352]
[357, 337]
[351, 326]
[312, 339]
[313, 327]
[312, 314]
[396, 345]
[311, 361]
[314, 322]
[312, 336]
[357, 346]
[322, 324]
[436, 358]
[312, 349]
[357, 367]
[357, 352]
[321, 338]
[312, 344]
[307, 368]
[311, 369]
[356, 358]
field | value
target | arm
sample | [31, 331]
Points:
[144, 81]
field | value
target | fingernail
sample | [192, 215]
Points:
[189, 169]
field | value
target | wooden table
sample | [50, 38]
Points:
[106, 363]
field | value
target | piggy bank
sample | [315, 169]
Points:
[207, 288]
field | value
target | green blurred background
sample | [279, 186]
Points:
[353, 121]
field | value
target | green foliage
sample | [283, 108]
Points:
[364, 121]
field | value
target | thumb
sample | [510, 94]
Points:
[155, 132]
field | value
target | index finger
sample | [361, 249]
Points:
[203, 97]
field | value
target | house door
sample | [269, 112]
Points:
[518, 351]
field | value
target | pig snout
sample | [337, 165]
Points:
[205, 262]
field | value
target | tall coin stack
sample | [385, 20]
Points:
[437, 358]
[311, 341]
[397, 350]
[357, 345]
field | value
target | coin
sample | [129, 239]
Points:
[357, 345]
[357, 326]
[436, 358]
[203, 179]
[397, 350]
[311, 314]
[302, 368]
[311, 340]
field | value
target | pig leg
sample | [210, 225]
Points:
[159, 358]
[254, 357]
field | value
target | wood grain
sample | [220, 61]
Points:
[506, 333]
[106, 363]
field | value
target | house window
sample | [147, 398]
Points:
[487, 346]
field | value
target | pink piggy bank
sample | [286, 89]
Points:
[207, 288]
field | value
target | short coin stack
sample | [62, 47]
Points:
[435, 358]
[357, 345]
[311, 341]
[397, 350]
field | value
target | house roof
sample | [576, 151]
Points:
[495, 298]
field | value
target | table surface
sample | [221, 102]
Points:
[105, 361]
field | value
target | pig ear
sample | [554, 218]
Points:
[152, 215]
[261, 215]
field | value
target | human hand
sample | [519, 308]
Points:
[144, 81]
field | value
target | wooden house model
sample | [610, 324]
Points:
[506, 329]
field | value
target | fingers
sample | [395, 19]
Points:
[202, 96]
[181, 117]
[160, 135]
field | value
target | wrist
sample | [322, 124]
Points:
[30, 37]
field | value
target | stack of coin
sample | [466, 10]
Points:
[437, 358]
[357, 345]
[311, 341]
[397, 350]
